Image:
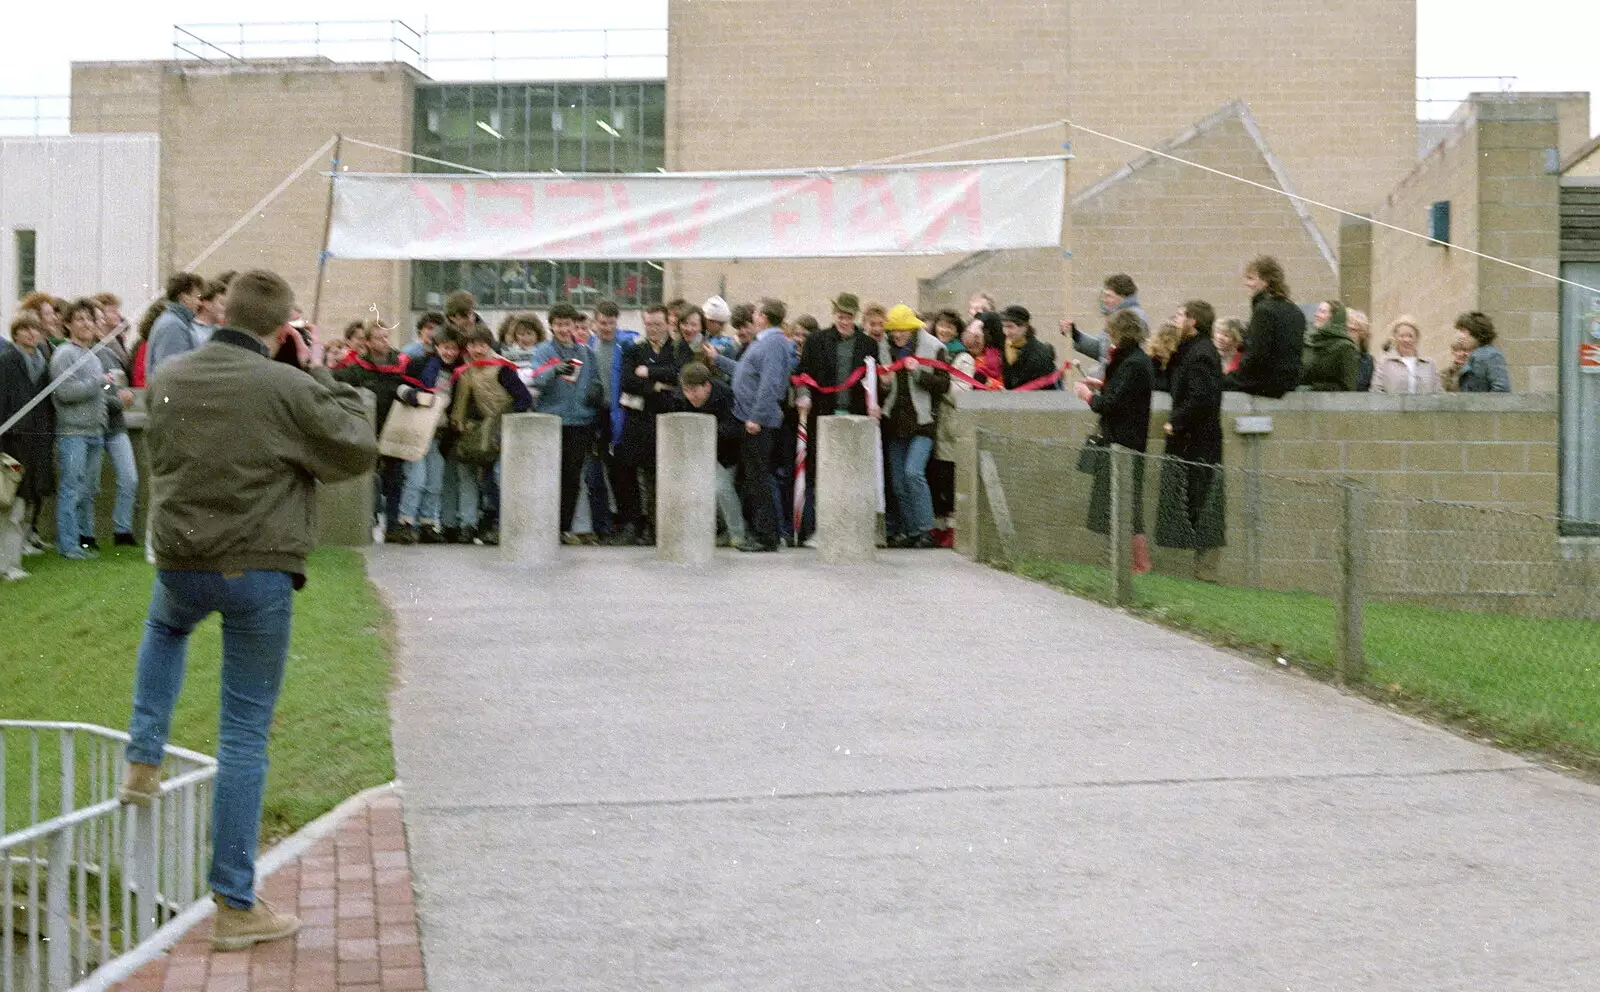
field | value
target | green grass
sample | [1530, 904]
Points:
[71, 640]
[1527, 684]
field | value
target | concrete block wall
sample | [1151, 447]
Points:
[1187, 234]
[1519, 201]
[1430, 282]
[1333, 85]
[230, 134]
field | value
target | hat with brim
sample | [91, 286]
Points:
[847, 303]
[902, 318]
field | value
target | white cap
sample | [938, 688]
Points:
[716, 309]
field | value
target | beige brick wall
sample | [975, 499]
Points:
[776, 83]
[1355, 264]
[229, 135]
[1520, 206]
[1411, 275]
[1332, 84]
[1145, 223]
[1148, 224]
[755, 83]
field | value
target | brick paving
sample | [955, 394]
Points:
[352, 892]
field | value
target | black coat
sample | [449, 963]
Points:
[820, 360]
[1196, 380]
[1124, 402]
[730, 430]
[1192, 512]
[1272, 347]
[32, 440]
[1035, 360]
[368, 374]
[637, 446]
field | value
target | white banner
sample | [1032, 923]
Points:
[945, 208]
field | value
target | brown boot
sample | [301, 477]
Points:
[1141, 554]
[1207, 563]
[237, 929]
[141, 784]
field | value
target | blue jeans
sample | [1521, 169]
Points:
[256, 609]
[419, 501]
[908, 474]
[594, 477]
[127, 472]
[77, 454]
[458, 501]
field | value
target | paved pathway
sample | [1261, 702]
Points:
[924, 774]
[358, 923]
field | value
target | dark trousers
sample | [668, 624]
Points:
[575, 445]
[942, 480]
[760, 508]
[391, 482]
[635, 487]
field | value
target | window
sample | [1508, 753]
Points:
[517, 127]
[27, 261]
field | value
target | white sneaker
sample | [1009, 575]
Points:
[811, 542]
[14, 575]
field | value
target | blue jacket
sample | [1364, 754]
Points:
[762, 379]
[1485, 372]
[171, 335]
[567, 400]
[620, 343]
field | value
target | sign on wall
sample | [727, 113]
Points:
[943, 208]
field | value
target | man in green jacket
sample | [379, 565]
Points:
[238, 443]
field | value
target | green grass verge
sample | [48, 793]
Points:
[1527, 684]
[71, 640]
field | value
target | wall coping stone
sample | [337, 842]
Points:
[1241, 403]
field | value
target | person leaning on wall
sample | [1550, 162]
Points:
[1401, 369]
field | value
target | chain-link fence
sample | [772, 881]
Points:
[1448, 602]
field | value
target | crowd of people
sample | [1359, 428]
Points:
[766, 376]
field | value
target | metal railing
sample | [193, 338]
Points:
[84, 878]
[489, 54]
[1438, 96]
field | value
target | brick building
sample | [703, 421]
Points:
[1330, 90]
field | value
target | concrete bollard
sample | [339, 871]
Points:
[847, 506]
[345, 509]
[530, 488]
[686, 488]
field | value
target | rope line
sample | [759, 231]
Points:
[92, 354]
[1325, 206]
[427, 158]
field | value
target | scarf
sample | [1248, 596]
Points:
[1334, 334]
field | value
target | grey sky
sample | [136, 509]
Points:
[1546, 44]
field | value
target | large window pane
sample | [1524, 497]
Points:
[540, 127]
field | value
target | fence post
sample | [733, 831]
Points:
[1351, 659]
[1121, 536]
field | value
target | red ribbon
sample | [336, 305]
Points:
[992, 385]
[356, 359]
[491, 362]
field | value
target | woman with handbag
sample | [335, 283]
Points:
[486, 388]
[1123, 402]
[430, 503]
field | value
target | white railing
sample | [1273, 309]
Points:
[82, 877]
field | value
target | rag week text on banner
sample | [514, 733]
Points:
[942, 208]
